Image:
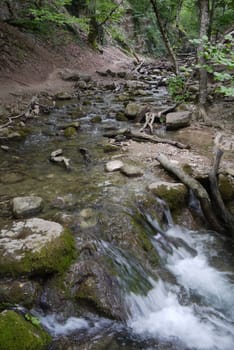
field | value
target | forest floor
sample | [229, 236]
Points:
[30, 65]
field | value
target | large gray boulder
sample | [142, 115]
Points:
[27, 206]
[177, 120]
[35, 247]
[132, 110]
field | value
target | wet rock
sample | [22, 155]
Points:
[70, 132]
[62, 96]
[114, 165]
[177, 120]
[5, 148]
[120, 116]
[109, 148]
[174, 194]
[56, 157]
[133, 109]
[131, 170]
[22, 291]
[91, 284]
[27, 206]
[81, 85]
[97, 119]
[64, 202]
[36, 247]
[88, 218]
[11, 178]
[17, 333]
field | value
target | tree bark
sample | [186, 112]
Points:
[164, 36]
[220, 209]
[204, 26]
[197, 188]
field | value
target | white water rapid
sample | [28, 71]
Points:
[198, 310]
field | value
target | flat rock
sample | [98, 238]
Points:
[114, 165]
[177, 120]
[63, 96]
[26, 206]
[36, 247]
[133, 109]
[131, 171]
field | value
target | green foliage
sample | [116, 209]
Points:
[177, 88]
[219, 55]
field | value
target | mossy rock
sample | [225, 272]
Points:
[70, 132]
[226, 187]
[35, 247]
[174, 194]
[120, 116]
[18, 334]
[97, 119]
[109, 148]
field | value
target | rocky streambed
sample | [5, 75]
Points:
[100, 247]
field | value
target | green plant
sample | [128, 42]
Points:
[219, 56]
[33, 319]
[177, 88]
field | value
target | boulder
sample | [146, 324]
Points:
[174, 194]
[70, 75]
[133, 109]
[131, 171]
[62, 96]
[114, 165]
[177, 120]
[35, 247]
[91, 284]
[27, 206]
[18, 333]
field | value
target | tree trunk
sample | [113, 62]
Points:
[164, 36]
[204, 25]
[93, 24]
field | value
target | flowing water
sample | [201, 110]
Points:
[189, 306]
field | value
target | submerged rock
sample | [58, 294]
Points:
[114, 165]
[131, 171]
[175, 194]
[17, 333]
[27, 206]
[35, 247]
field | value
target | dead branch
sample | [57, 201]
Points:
[142, 137]
[151, 116]
[197, 188]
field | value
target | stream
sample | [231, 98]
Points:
[186, 302]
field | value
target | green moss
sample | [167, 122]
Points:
[109, 148]
[55, 257]
[18, 334]
[175, 197]
[96, 119]
[70, 132]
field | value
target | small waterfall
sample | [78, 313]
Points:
[195, 313]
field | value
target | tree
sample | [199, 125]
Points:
[166, 41]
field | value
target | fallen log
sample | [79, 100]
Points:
[198, 190]
[142, 137]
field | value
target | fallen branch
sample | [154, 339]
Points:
[197, 188]
[151, 116]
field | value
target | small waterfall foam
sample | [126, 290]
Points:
[57, 327]
[197, 311]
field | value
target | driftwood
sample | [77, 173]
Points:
[197, 188]
[142, 137]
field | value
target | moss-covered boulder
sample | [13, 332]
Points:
[174, 194]
[17, 333]
[35, 247]
[70, 132]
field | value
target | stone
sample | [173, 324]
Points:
[177, 120]
[35, 247]
[11, 178]
[70, 132]
[131, 171]
[27, 206]
[89, 281]
[114, 165]
[5, 148]
[18, 333]
[88, 218]
[70, 75]
[63, 96]
[174, 194]
[133, 109]
[109, 148]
